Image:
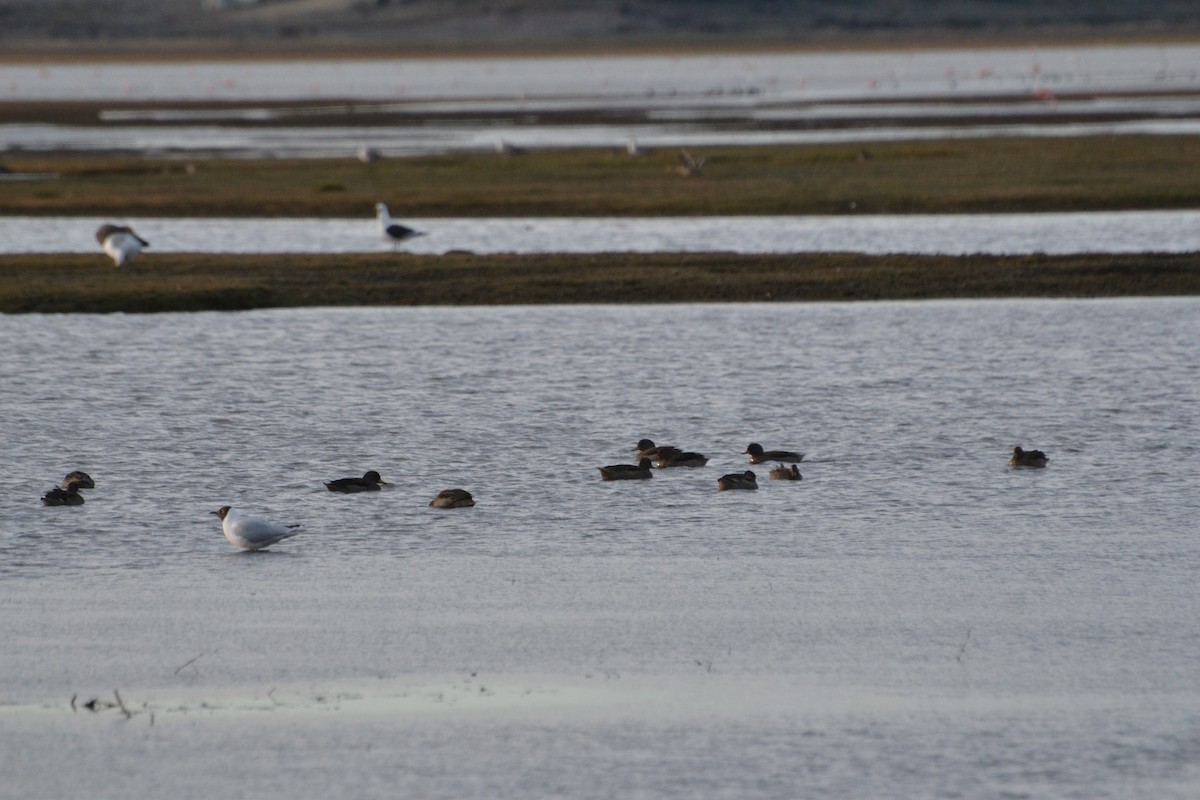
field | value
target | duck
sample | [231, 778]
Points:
[369, 482]
[83, 480]
[120, 242]
[760, 456]
[627, 472]
[389, 229]
[64, 496]
[782, 473]
[251, 533]
[1027, 458]
[675, 457]
[646, 448]
[452, 498]
[737, 480]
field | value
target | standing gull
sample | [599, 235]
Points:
[390, 230]
[251, 533]
[120, 242]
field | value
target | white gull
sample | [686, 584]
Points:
[251, 533]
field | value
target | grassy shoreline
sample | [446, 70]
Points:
[948, 176]
[202, 282]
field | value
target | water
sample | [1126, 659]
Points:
[342, 141]
[819, 75]
[932, 234]
[457, 105]
[912, 619]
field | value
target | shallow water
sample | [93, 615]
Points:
[817, 75]
[930, 234]
[455, 105]
[911, 619]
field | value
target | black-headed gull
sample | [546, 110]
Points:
[120, 242]
[452, 498]
[389, 229]
[369, 482]
[251, 533]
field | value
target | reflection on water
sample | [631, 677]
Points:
[948, 234]
[913, 615]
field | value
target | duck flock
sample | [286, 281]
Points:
[253, 533]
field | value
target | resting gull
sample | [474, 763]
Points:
[120, 242]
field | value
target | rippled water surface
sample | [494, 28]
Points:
[912, 619]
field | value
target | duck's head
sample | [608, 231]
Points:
[753, 449]
[373, 477]
[82, 478]
[644, 444]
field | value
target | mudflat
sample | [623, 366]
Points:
[202, 282]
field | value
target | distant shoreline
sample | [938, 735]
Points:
[188, 50]
[203, 282]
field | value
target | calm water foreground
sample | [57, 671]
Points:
[913, 619]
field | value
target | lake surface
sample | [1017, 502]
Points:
[945, 234]
[913, 619]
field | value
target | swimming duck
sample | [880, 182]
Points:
[1028, 458]
[626, 472]
[120, 242]
[782, 473]
[82, 479]
[251, 533]
[674, 457]
[735, 480]
[648, 449]
[68, 496]
[759, 456]
[452, 498]
[369, 482]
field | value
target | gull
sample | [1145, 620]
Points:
[368, 155]
[688, 166]
[390, 230]
[251, 533]
[119, 242]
